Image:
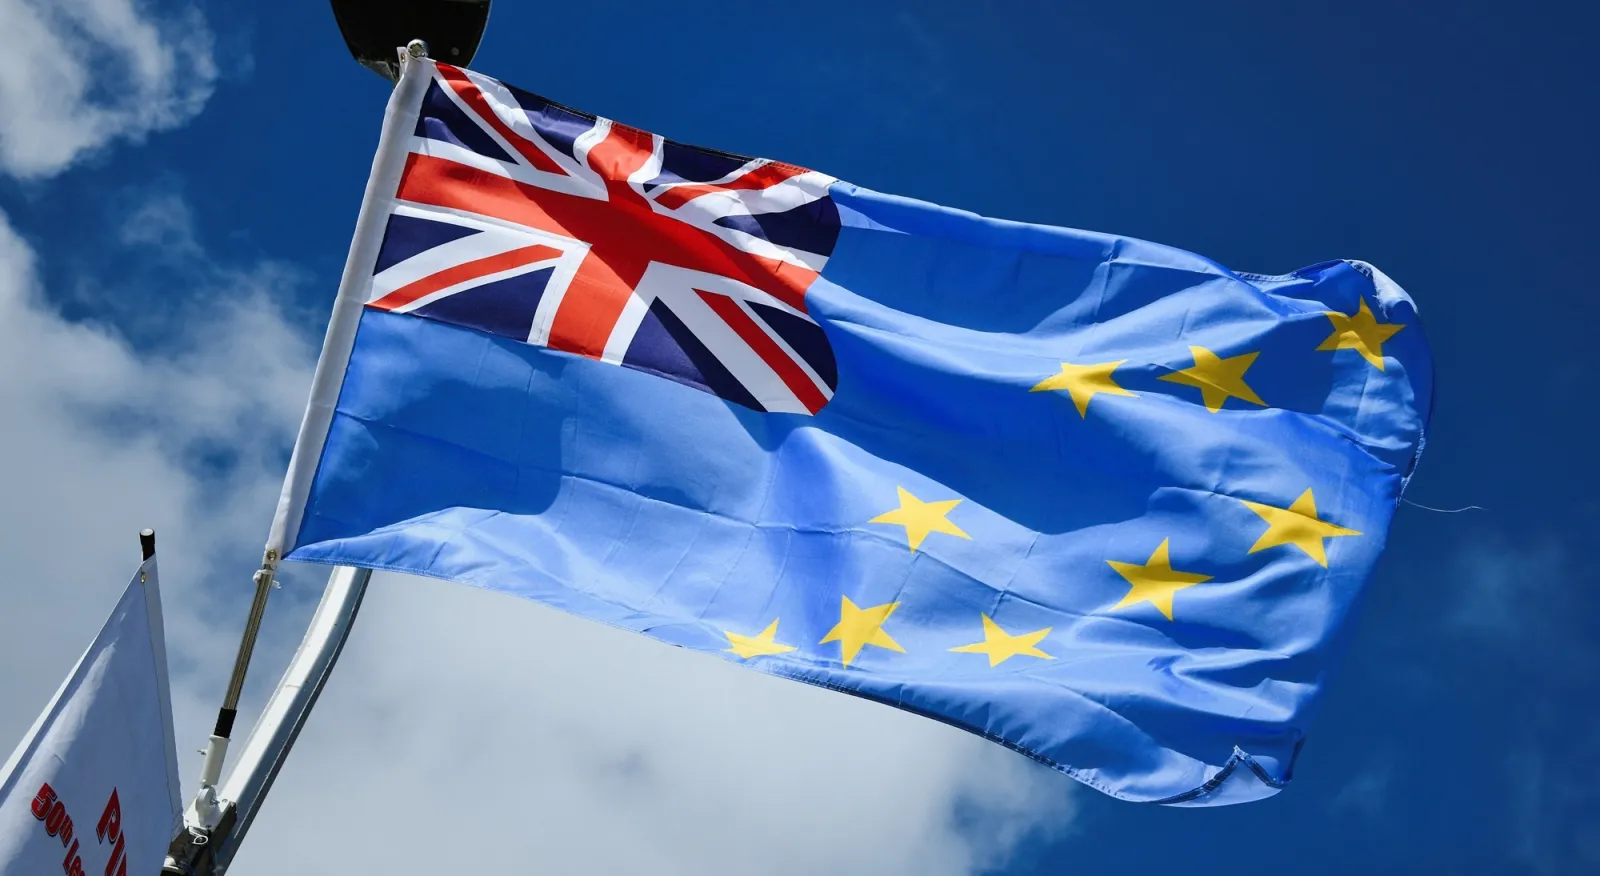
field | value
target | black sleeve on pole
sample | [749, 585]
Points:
[147, 542]
[224, 727]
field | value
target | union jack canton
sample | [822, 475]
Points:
[528, 220]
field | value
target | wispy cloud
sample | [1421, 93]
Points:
[1507, 596]
[1520, 606]
[1549, 792]
[78, 75]
[1366, 793]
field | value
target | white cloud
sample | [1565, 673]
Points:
[101, 440]
[78, 75]
[458, 720]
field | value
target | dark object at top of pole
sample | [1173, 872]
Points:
[147, 543]
[373, 29]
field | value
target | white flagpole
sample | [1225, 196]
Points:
[216, 820]
[286, 711]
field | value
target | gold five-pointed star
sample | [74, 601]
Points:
[1154, 582]
[1297, 525]
[1361, 332]
[859, 627]
[1217, 379]
[762, 643]
[1002, 646]
[920, 518]
[1084, 382]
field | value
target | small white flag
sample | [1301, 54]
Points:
[93, 788]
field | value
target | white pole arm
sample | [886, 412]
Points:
[263, 754]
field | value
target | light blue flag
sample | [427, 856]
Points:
[1102, 501]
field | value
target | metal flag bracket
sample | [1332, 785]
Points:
[222, 811]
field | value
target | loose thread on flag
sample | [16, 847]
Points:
[1443, 510]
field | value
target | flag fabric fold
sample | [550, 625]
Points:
[93, 787]
[1103, 501]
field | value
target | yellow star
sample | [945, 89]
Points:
[1217, 379]
[1154, 582]
[1297, 525]
[1084, 382]
[1361, 332]
[1002, 646]
[859, 627]
[920, 518]
[760, 644]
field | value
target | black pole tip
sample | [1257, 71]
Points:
[373, 29]
[147, 542]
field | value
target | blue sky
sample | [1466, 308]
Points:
[1452, 145]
